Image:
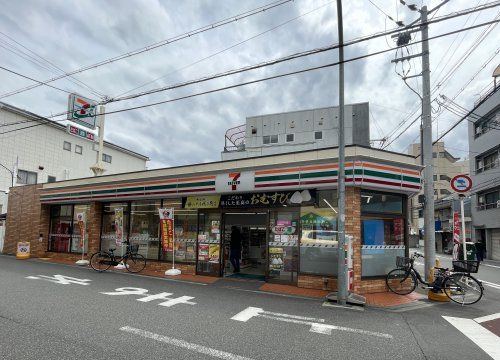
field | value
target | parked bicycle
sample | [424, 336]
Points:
[458, 284]
[103, 260]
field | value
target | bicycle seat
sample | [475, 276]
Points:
[440, 268]
[111, 250]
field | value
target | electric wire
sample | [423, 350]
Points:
[260, 80]
[161, 43]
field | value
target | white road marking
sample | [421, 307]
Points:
[490, 284]
[147, 298]
[494, 266]
[487, 318]
[184, 344]
[61, 279]
[485, 339]
[317, 325]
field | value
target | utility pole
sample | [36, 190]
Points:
[98, 167]
[342, 266]
[429, 226]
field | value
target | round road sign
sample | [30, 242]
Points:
[461, 183]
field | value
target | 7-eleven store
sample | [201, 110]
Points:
[284, 207]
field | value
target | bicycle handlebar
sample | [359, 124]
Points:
[417, 255]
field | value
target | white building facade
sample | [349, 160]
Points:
[41, 151]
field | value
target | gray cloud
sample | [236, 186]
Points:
[75, 33]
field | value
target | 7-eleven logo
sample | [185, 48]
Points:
[234, 182]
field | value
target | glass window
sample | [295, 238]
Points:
[283, 248]
[266, 139]
[79, 228]
[51, 179]
[274, 139]
[60, 228]
[318, 135]
[444, 177]
[78, 149]
[109, 229]
[106, 158]
[67, 146]
[290, 137]
[372, 202]
[209, 236]
[26, 177]
[144, 227]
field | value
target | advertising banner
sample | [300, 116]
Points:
[456, 234]
[202, 202]
[119, 226]
[80, 217]
[167, 228]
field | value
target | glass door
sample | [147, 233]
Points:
[208, 244]
[283, 250]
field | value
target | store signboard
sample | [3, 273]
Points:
[82, 110]
[235, 182]
[201, 202]
[84, 134]
[265, 199]
[167, 228]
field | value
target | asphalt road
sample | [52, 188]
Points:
[53, 311]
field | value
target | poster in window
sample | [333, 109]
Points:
[276, 258]
[203, 252]
[213, 253]
[119, 226]
[214, 227]
[398, 231]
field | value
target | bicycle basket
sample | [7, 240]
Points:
[402, 261]
[468, 266]
[133, 249]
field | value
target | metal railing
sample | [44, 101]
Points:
[234, 139]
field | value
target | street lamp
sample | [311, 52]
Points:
[11, 174]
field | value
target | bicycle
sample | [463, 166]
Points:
[458, 284]
[134, 262]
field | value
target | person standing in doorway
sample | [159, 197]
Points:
[480, 250]
[235, 249]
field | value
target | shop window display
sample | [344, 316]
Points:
[65, 230]
[80, 228]
[185, 233]
[283, 245]
[382, 231]
[209, 237]
[144, 227]
[111, 213]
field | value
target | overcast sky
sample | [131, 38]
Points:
[73, 34]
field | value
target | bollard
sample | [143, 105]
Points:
[440, 295]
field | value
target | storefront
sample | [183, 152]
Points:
[283, 206]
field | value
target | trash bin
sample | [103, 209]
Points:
[470, 251]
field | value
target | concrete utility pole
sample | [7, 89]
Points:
[342, 266]
[98, 167]
[429, 226]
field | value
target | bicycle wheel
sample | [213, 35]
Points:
[135, 263]
[401, 281]
[463, 289]
[100, 261]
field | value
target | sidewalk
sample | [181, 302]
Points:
[378, 300]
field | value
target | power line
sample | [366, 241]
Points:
[158, 44]
[282, 75]
[37, 62]
[226, 49]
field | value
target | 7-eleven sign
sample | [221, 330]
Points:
[82, 110]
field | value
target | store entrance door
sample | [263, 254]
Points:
[253, 261]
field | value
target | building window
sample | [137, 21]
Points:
[486, 123]
[444, 177]
[109, 229]
[67, 146]
[26, 177]
[106, 158]
[78, 149]
[382, 232]
[488, 200]
[65, 232]
[434, 177]
[270, 139]
[186, 227]
[51, 179]
[488, 161]
[144, 227]
[290, 137]
[318, 239]
[318, 135]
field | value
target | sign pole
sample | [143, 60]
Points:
[166, 216]
[98, 167]
[463, 225]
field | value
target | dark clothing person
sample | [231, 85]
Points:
[235, 248]
[480, 250]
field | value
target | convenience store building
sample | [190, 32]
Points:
[281, 204]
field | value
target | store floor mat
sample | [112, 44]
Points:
[293, 290]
